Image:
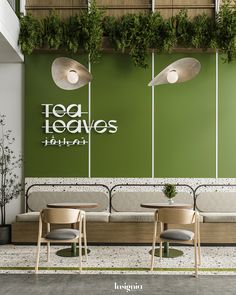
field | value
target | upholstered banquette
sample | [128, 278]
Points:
[119, 218]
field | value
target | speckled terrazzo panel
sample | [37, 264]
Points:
[110, 182]
[132, 257]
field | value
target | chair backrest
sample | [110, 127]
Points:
[176, 216]
[60, 215]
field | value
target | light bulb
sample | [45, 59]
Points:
[72, 77]
[172, 76]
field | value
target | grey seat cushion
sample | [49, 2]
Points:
[177, 234]
[132, 217]
[218, 217]
[62, 234]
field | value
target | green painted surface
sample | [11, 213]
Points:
[227, 119]
[39, 88]
[120, 92]
[185, 122]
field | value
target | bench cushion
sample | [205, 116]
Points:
[132, 217]
[177, 234]
[90, 217]
[130, 201]
[62, 234]
[216, 202]
[39, 200]
[218, 217]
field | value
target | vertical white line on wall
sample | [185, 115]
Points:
[153, 118]
[153, 106]
[89, 109]
[89, 119]
[217, 113]
[217, 3]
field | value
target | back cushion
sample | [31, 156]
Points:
[39, 200]
[130, 201]
[216, 202]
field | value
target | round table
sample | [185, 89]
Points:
[73, 251]
[167, 253]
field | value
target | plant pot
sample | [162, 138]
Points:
[5, 234]
[170, 201]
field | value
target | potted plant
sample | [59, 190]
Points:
[10, 185]
[169, 191]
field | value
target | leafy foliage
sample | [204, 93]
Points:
[163, 37]
[169, 191]
[184, 28]
[92, 31]
[31, 34]
[226, 30]
[203, 33]
[133, 33]
[72, 34]
[10, 185]
[53, 30]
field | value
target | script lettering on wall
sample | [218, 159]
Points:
[64, 120]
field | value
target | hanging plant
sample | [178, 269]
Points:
[204, 32]
[53, 30]
[31, 34]
[133, 33]
[163, 37]
[130, 32]
[226, 30]
[184, 28]
[92, 31]
[72, 34]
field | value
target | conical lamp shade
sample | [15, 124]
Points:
[181, 70]
[68, 74]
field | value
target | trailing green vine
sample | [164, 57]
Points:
[53, 30]
[31, 34]
[132, 33]
[226, 30]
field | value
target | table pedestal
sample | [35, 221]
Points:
[172, 253]
[73, 251]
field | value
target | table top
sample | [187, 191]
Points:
[72, 205]
[166, 205]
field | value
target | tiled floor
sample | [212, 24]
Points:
[118, 258]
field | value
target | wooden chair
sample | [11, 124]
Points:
[74, 217]
[180, 236]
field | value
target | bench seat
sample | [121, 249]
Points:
[90, 217]
[218, 217]
[132, 217]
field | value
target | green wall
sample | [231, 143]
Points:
[184, 120]
[120, 91]
[227, 119]
[50, 161]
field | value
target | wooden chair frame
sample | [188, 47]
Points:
[75, 217]
[181, 217]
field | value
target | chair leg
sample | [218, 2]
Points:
[153, 244]
[37, 257]
[80, 254]
[199, 249]
[48, 251]
[161, 250]
[85, 241]
[195, 257]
